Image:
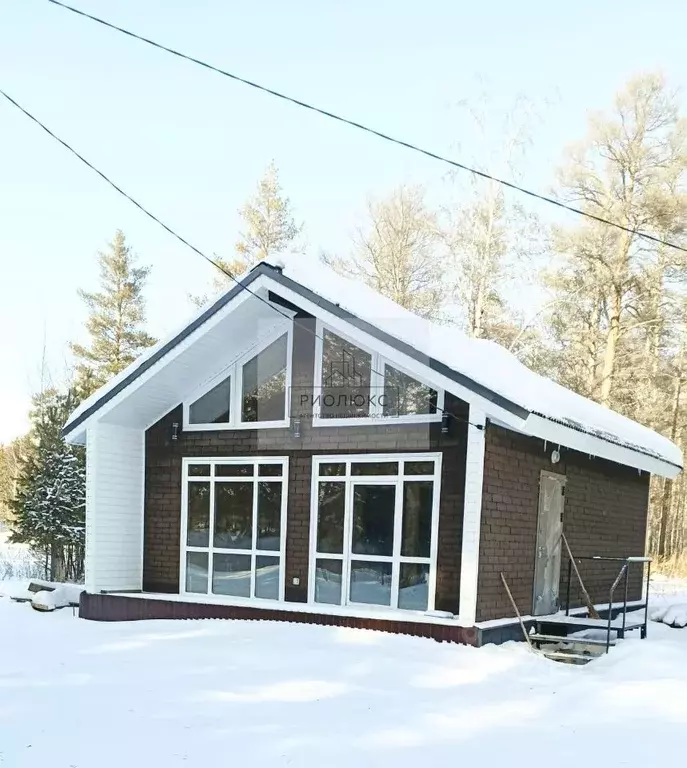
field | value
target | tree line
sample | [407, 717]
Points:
[608, 318]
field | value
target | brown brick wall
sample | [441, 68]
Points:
[163, 480]
[605, 514]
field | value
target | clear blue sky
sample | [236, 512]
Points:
[191, 145]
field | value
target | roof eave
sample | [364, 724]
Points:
[105, 394]
[585, 442]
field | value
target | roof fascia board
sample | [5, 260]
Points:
[171, 349]
[559, 434]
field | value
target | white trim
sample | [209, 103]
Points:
[235, 371]
[253, 552]
[472, 516]
[377, 377]
[349, 481]
[143, 502]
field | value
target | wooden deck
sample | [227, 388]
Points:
[109, 607]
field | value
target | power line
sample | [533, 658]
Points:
[183, 240]
[374, 132]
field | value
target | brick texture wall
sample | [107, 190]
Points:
[163, 479]
[605, 513]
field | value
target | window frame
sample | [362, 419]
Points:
[377, 376]
[235, 370]
[254, 552]
[347, 556]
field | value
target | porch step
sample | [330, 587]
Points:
[586, 623]
[539, 638]
[568, 657]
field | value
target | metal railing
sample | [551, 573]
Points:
[623, 573]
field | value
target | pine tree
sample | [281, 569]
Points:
[50, 502]
[270, 227]
[10, 461]
[117, 315]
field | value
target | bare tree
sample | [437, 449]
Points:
[619, 328]
[489, 239]
[625, 171]
[397, 252]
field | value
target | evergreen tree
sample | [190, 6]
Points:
[117, 315]
[50, 502]
[10, 461]
[270, 227]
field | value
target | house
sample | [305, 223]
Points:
[305, 449]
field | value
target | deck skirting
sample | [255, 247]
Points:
[108, 607]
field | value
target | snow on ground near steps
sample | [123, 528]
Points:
[669, 601]
[83, 694]
[673, 615]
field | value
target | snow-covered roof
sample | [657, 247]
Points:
[485, 365]
[485, 362]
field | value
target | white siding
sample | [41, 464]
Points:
[472, 514]
[115, 459]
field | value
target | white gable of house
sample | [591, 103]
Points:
[480, 372]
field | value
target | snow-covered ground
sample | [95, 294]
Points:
[79, 694]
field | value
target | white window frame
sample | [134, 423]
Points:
[235, 370]
[377, 375]
[396, 558]
[253, 552]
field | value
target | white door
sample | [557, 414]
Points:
[547, 569]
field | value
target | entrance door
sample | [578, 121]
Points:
[547, 569]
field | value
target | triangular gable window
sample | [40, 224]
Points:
[356, 384]
[406, 396]
[214, 407]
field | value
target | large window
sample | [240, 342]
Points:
[234, 527]
[353, 383]
[346, 378]
[251, 392]
[374, 530]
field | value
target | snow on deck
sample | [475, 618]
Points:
[199, 693]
